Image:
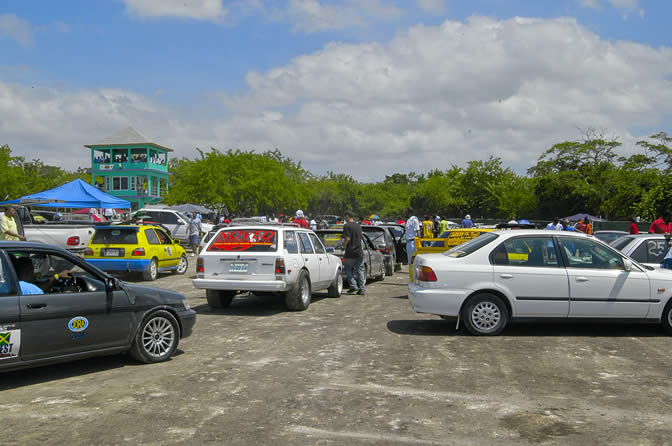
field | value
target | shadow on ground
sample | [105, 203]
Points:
[249, 304]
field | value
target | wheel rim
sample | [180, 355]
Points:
[158, 337]
[153, 268]
[339, 281]
[486, 316]
[305, 291]
[669, 317]
[182, 267]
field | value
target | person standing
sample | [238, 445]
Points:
[428, 227]
[662, 224]
[301, 220]
[554, 225]
[8, 228]
[634, 229]
[467, 223]
[589, 226]
[412, 231]
[195, 229]
[353, 256]
[443, 226]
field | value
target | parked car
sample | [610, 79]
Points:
[609, 236]
[175, 222]
[87, 314]
[136, 248]
[383, 240]
[374, 262]
[649, 249]
[399, 235]
[508, 275]
[267, 258]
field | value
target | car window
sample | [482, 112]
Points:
[152, 239]
[290, 242]
[304, 243]
[249, 240]
[621, 242]
[317, 244]
[650, 251]
[6, 287]
[168, 218]
[583, 253]
[376, 236]
[115, 236]
[164, 239]
[526, 251]
[471, 246]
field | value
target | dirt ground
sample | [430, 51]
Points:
[354, 370]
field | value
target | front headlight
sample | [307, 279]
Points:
[185, 302]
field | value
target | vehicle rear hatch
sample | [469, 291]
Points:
[114, 242]
[242, 254]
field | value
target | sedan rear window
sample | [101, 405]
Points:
[115, 237]
[620, 243]
[472, 245]
[249, 240]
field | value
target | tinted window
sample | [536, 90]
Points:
[582, 253]
[168, 218]
[526, 251]
[317, 244]
[377, 237]
[304, 244]
[472, 245]
[249, 240]
[290, 242]
[151, 237]
[115, 237]
[620, 243]
[164, 239]
[45, 265]
[650, 251]
[5, 282]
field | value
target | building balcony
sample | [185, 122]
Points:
[128, 165]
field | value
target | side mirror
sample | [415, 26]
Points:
[176, 241]
[330, 250]
[627, 264]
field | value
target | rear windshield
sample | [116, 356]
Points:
[115, 237]
[249, 240]
[454, 238]
[620, 243]
[332, 240]
[375, 235]
[471, 246]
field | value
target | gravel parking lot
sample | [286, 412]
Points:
[354, 370]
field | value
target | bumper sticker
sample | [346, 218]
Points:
[10, 344]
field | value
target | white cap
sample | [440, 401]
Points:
[299, 213]
[467, 217]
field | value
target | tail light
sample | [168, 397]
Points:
[425, 274]
[200, 268]
[73, 241]
[138, 252]
[279, 265]
[88, 252]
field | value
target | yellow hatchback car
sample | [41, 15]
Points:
[136, 248]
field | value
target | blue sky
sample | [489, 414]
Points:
[180, 72]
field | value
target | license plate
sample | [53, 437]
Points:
[238, 268]
[112, 252]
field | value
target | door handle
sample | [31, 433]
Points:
[581, 279]
[506, 276]
[36, 306]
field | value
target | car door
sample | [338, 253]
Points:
[529, 270]
[170, 256]
[599, 285]
[154, 247]
[376, 259]
[66, 320]
[326, 268]
[309, 258]
[10, 323]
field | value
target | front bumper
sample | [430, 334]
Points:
[120, 265]
[242, 285]
[187, 321]
[441, 301]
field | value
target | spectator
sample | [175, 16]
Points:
[301, 220]
[467, 223]
[589, 226]
[567, 226]
[412, 231]
[354, 256]
[443, 226]
[427, 227]
[662, 225]
[8, 228]
[554, 225]
[25, 270]
[195, 229]
[313, 224]
[401, 221]
[634, 229]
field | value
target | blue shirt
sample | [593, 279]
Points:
[29, 288]
[467, 223]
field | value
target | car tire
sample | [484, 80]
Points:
[381, 276]
[298, 298]
[389, 267]
[666, 318]
[157, 338]
[366, 272]
[182, 266]
[336, 287]
[152, 272]
[219, 298]
[485, 315]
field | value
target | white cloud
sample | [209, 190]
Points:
[16, 29]
[209, 10]
[431, 5]
[595, 4]
[314, 16]
[431, 97]
[624, 4]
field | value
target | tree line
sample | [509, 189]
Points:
[589, 175]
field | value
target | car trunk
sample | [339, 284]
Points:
[241, 254]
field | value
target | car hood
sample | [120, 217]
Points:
[141, 294]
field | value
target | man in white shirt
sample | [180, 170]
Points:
[555, 225]
[412, 231]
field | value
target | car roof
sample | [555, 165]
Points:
[644, 235]
[518, 232]
[4, 244]
[612, 231]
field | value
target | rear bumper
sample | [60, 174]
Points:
[242, 285]
[187, 321]
[439, 301]
[121, 264]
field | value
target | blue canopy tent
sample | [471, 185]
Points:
[75, 194]
[577, 217]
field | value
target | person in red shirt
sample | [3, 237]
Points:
[633, 226]
[301, 220]
[662, 225]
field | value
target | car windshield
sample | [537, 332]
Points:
[182, 216]
[621, 242]
[471, 246]
[249, 240]
[115, 236]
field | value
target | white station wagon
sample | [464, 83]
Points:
[535, 274]
[267, 258]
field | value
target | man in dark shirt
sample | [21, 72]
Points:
[354, 256]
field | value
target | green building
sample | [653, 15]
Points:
[128, 166]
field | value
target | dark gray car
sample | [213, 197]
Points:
[374, 264]
[88, 313]
[384, 242]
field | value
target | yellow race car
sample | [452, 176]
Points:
[136, 248]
